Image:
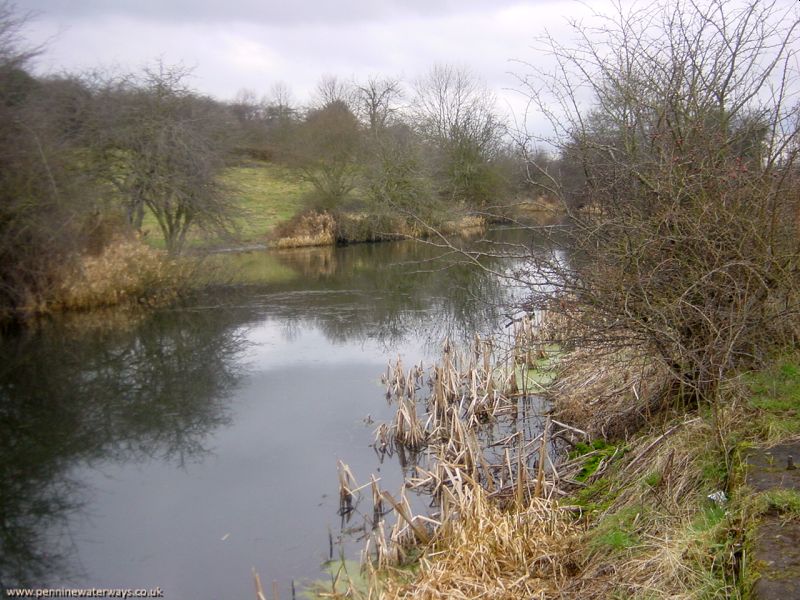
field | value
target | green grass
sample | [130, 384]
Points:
[617, 532]
[708, 518]
[781, 501]
[267, 194]
[776, 397]
[270, 194]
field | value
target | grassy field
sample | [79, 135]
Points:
[267, 194]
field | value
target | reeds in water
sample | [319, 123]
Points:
[347, 488]
[495, 520]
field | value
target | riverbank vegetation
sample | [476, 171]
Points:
[89, 159]
[675, 287]
[668, 307]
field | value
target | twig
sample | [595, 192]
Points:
[657, 441]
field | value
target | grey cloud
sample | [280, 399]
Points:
[255, 11]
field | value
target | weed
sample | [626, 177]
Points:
[653, 480]
[783, 502]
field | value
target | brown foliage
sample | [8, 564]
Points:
[682, 240]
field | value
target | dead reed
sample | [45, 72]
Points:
[486, 461]
[512, 514]
[490, 552]
[306, 229]
[609, 395]
[347, 488]
[127, 271]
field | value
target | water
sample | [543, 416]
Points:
[184, 447]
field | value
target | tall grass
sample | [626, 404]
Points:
[126, 272]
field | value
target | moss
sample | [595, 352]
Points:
[617, 532]
[596, 497]
[597, 452]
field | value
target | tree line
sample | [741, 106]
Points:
[84, 157]
[673, 152]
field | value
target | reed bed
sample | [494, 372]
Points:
[514, 514]
[487, 460]
[473, 388]
[311, 228]
[491, 553]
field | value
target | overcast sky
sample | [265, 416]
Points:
[253, 44]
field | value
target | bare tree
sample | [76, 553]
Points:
[44, 201]
[456, 114]
[377, 100]
[332, 90]
[247, 108]
[14, 51]
[327, 148]
[680, 124]
[281, 104]
[163, 148]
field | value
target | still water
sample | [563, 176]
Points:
[181, 448]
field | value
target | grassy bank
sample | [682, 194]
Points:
[648, 499]
[667, 511]
[265, 194]
[275, 211]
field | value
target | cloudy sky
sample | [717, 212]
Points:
[253, 44]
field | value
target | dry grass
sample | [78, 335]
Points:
[609, 395]
[465, 225]
[491, 553]
[306, 229]
[127, 271]
[321, 228]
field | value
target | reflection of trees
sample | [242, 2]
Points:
[394, 290]
[154, 390]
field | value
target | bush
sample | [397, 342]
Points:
[683, 236]
[126, 271]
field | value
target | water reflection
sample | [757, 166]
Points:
[67, 397]
[308, 350]
[392, 292]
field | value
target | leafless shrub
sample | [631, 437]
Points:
[683, 191]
